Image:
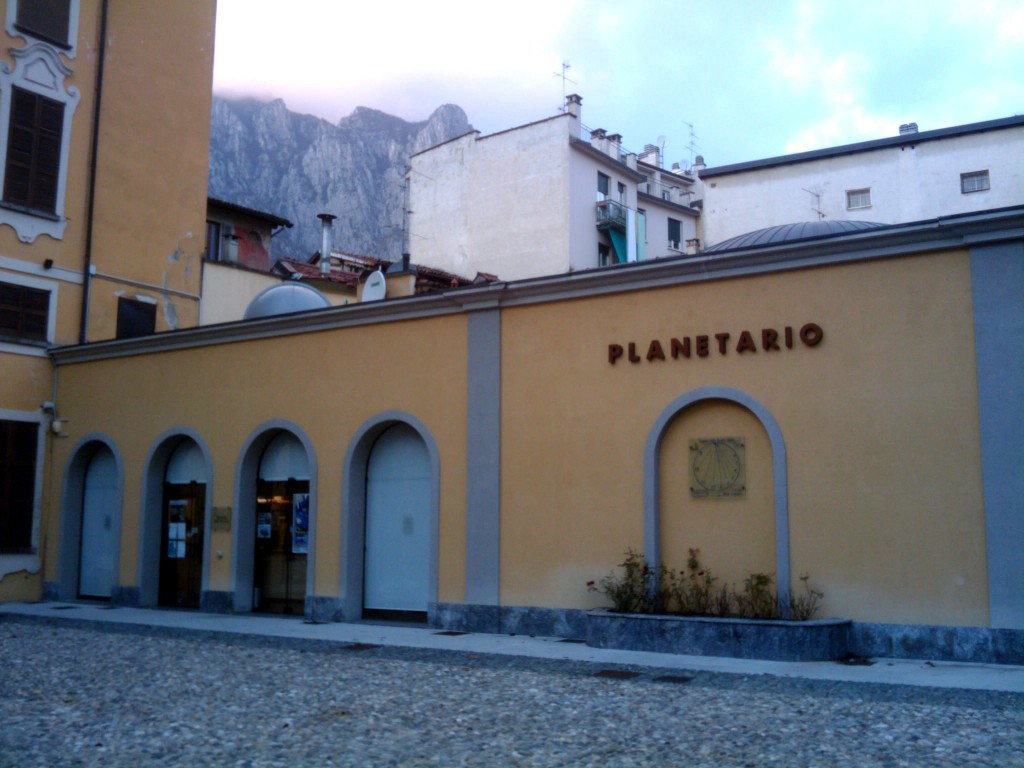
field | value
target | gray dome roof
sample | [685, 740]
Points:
[284, 299]
[789, 233]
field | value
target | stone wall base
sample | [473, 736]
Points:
[509, 620]
[979, 645]
[211, 601]
[830, 639]
[323, 610]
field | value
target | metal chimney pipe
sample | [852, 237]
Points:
[326, 242]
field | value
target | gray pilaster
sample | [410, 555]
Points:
[997, 284]
[483, 457]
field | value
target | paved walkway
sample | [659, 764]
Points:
[90, 685]
[987, 677]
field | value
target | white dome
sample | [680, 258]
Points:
[284, 299]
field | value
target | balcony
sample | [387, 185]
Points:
[611, 215]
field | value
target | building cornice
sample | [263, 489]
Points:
[902, 140]
[944, 233]
[596, 154]
[655, 200]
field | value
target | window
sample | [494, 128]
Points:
[213, 240]
[675, 233]
[976, 181]
[622, 193]
[48, 20]
[18, 442]
[858, 198]
[603, 186]
[33, 151]
[24, 312]
[135, 318]
[604, 255]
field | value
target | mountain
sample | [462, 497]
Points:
[266, 157]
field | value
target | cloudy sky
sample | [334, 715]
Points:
[754, 78]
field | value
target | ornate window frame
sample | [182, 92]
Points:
[38, 68]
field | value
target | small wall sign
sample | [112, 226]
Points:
[221, 519]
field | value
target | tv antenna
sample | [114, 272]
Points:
[566, 66]
[816, 206]
[692, 145]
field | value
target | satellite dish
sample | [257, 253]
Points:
[376, 286]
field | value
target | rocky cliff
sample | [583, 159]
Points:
[266, 157]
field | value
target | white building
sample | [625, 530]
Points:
[909, 177]
[545, 198]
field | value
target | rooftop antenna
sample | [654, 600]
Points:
[661, 151]
[565, 68]
[816, 207]
[693, 146]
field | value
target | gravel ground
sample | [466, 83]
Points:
[81, 696]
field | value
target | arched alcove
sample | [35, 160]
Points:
[652, 478]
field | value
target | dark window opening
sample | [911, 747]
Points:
[18, 443]
[135, 318]
[33, 151]
[674, 233]
[603, 185]
[213, 241]
[24, 312]
[49, 20]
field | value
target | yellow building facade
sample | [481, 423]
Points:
[104, 125]
[475, 457]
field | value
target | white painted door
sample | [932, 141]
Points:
[99, 529]
[397, 563]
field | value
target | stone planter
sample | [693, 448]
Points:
[776, 640]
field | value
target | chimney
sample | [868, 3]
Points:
[572, 104]
[615, 145]
[651, 155]
[326, 243]
[908, 128]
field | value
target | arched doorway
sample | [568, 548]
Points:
[100, 530]
[182, 532]
[282, 527]
[398, 514]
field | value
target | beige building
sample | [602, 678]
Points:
[474, 456]
[104, 128]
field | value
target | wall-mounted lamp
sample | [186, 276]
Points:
[48, 264]
[56, 424]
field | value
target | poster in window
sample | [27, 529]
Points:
[263, 525]
[300, 523]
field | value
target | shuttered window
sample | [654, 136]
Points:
[33, 151]
[46, 19]
[18, 442]
[24, 312]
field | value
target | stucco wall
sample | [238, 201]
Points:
[496, 204]
[878, 417]
[153, 153]
[226, 392]
[879, 421]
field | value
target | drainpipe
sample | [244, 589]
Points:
[325, 243]
[94, 150]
